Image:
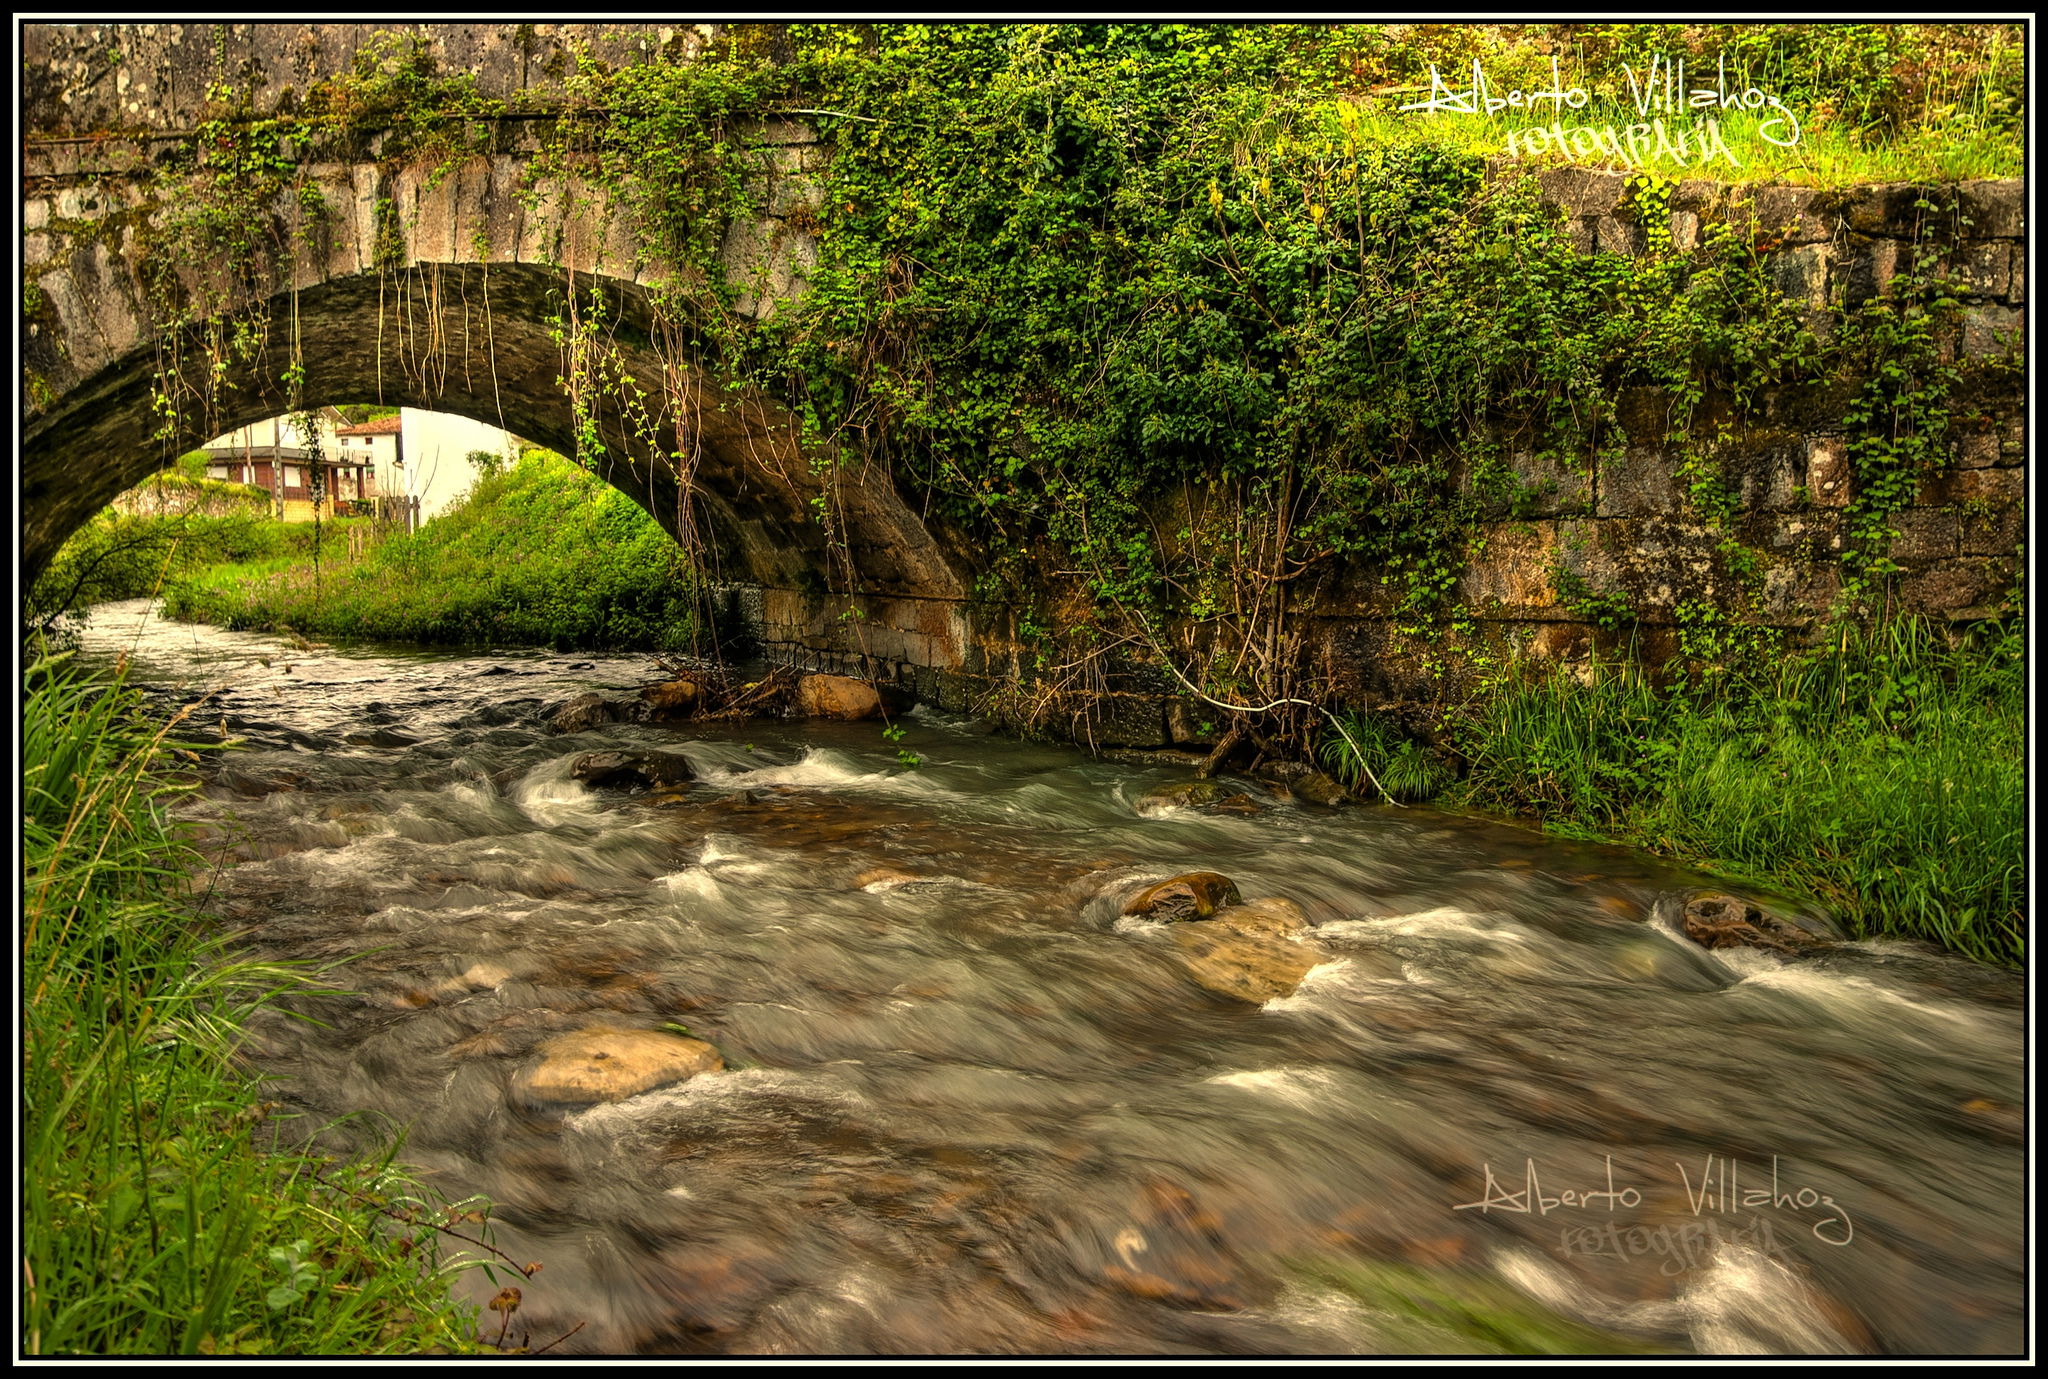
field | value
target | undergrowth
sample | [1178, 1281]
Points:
[1883, 774]
[158, 1216]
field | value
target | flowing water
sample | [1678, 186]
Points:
[970, 1109]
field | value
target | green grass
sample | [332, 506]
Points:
[154, 1219]
[1829, 157]
[543, 554]
[1884, 775]
[120, 555]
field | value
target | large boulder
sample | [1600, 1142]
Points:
[837, 696]
[1304, 782]
[1249, 964]
[631, 770]
[1271, 915]
[606, 1063]
[1192, 895]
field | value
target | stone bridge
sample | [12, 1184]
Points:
[447, 286]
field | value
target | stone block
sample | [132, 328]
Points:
[1926, 534]
[793, 192]
[1547, 488]
[1579, 551]
[1639, 484]
[1870, 271]
[1685, 231]
[1560, 641]
[1613, 235]
[1768, 478]
[1797, 589]
[1991, 485]
[1695, 194]
[1947, 585]
[1514, 568]
[1971, 486]
[1986, 269]
[1996, 531]
[1582, 191]
[1127, 720]
[1806, 537]
[1977, 450]
[1995, 209]
[1993, 330]
[1802, 273]
[1885, 209]
[1827, 471]
[1792, 215]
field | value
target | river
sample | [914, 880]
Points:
[971, 1108]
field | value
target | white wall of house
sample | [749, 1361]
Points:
[379, 451]
[280, 430]
[435, 452]
[437, 448]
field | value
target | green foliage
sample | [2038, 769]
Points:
[158, 1218]
[1883, 773]
[1899, 421]
[1369, 749]
[542, 554]
[134, 555]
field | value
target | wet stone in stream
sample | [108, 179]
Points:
[627, 770]
[1194, 895]
[605, 1063]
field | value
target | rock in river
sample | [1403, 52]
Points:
[678, 698]
[1193, 895]
[1727, 921]
[837, 696]
[626, 770]
[1209, 796]
[1241, 953]
[581, 714]
[605, 1063]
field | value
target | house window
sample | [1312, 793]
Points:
[294, 477]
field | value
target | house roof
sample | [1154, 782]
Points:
[382, 426]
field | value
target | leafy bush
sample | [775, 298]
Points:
[120, 555]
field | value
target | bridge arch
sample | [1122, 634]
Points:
[446, 285]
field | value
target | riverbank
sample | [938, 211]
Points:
[163, 1213]
[1882, 775]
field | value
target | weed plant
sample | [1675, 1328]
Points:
[156, 1219]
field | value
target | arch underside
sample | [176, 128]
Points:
[482, 341]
